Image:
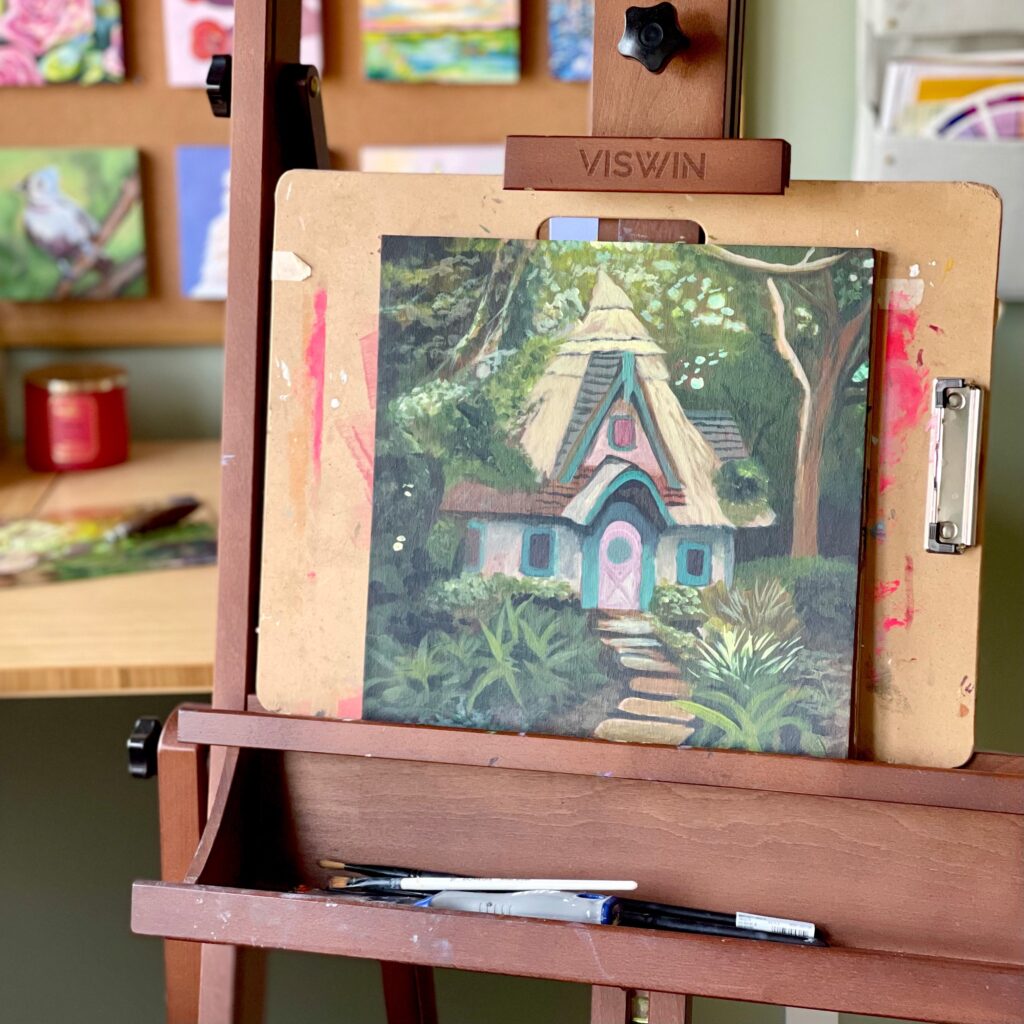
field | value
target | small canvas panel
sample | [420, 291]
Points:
[604, 570]
[915, 680]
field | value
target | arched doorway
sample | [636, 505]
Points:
[620, 567]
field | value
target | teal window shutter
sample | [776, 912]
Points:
[693, 564]
[538, 554]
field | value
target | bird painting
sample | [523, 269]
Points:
[71, 224]
[58, 226]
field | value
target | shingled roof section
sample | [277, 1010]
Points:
[602, 370]
[720, 431]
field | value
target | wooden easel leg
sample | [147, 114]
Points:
[182, 789]
[408, 993]
[233, 985]
[670, 1008]
[609, 1005]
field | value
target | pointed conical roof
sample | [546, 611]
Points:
[610, 324]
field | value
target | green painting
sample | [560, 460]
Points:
[454, 41]
[617, 490]
[71, 225]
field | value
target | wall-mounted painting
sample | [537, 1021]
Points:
[433, 159]
[71, 225]
[460, 41]
[617, 490]
[196, 30]
[203, 206]
[60, 42]
[571, 39]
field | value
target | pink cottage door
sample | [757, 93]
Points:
[620, 567]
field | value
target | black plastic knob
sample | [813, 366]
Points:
[652, 36]
[218, 85]
[142, 745]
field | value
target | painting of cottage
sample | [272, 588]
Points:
[627, 498]
[604, 502]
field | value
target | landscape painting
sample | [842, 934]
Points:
[71, 225]
[60, 42]
[617, 490]
[457, 41]
[571, 39]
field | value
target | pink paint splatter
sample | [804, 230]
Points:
[906, 387]
[885, 587]
[359, 441]
[311, 575]
[368, 345]
[350, 707]
[906, 620]
[315, 351]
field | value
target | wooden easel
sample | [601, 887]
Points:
[938, 938]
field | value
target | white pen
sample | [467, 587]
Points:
[442, 883]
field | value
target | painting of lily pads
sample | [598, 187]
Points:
[617, 490]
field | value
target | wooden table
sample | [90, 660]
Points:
[141, 632]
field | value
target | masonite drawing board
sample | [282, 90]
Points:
[938, 252]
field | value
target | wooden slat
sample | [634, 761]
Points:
[182, 796]
[608, 1005]
[776, 773]
[266, 35]
[670, 1008]
[858, 981]
[408, 993]
[691, 96]
[621, 164]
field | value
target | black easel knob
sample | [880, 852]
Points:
[142, 744]
[652, 36]
[218, 85]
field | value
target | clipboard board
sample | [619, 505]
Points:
[916, 661]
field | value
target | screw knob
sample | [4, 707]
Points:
[652, 36]
[142, 745]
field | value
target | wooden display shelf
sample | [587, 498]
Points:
[765, 833]
[857, 980]
[141, 632]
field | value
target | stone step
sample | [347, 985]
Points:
[626, 626]
[619, 642]
[626, 730]
[639, 663]
[654, 709]
[660, 686]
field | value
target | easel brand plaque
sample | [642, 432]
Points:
[658, 164]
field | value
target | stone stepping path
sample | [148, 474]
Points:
[645, 708]
[660, 686]
[624, 730]
[651, 716]
[622, 642]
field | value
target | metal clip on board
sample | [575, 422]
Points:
[850, 837]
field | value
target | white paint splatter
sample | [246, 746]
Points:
[915, 269]
[285, 372]
[343, 376]
[335, 403]
[226, 459]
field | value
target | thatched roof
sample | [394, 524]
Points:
[610, 351]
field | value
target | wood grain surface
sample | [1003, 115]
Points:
[859, 981]
[139, 632]
[917, 655]
[145, 112]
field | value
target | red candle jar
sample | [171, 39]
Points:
[75, 417]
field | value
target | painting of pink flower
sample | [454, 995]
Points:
[17, 67]
[54, 42]
[38, 25]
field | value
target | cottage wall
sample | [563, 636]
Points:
[503, 548]
[720, 540]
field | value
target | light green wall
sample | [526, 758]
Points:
[74, 830]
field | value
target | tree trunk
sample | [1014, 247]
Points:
[807, 483]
